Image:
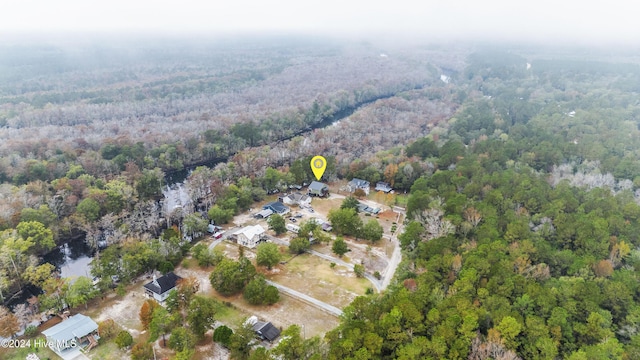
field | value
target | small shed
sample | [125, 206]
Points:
[263, 214]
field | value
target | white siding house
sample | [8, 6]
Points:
[160, 288]
[250, 236]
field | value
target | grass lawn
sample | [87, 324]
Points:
[401, 200]
[313, 276]
[107, 351]
[322, 206]
[229, 315]
[21, 353]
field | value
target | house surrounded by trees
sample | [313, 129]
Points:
[356, 184]
[250, 236]
[383, 186]
[67, 337]
[159, 288]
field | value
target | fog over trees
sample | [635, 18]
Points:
[518, 169]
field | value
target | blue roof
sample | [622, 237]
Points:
[276, 206]
[76, 326]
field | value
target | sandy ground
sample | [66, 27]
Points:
[313, 276]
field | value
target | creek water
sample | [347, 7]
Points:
[74, 256]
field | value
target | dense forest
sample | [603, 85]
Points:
[91, 132]
[523, 243]
[522, 171]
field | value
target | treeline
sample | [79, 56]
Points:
[502, 260]
[181, 106]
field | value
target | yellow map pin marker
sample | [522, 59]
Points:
[318, 166]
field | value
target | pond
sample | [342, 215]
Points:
[72, 258]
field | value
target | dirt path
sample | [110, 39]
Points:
[306, 298]
[396, 257]
[368, 276]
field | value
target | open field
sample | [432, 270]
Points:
[373, 256]
[287, 311]
[322, 206]
[313, 276]
[122, 309]
[107, 351]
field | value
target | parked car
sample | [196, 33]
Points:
[292, 219]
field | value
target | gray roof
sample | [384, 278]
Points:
[359, 183]
[264, 213]
[76, 326]
[297, 197]
[276, 207]
[317, 186]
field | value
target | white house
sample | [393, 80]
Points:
[356, 184]
[160, 288]
[297, 199]
[250, 236]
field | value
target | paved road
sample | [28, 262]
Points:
[308, 299]
[224, 236]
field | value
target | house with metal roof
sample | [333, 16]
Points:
[67, 337]
[263, 214]
[317, 188]
[249, 236]
[160, 288]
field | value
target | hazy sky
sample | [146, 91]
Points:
[583, 21]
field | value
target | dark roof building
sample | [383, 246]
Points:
[266, 331]
[277, 207]
[159, 288]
